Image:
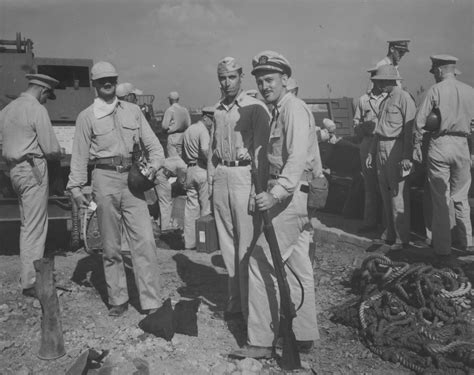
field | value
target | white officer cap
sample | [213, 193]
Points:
[271, 61]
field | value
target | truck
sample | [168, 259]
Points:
[73, 93]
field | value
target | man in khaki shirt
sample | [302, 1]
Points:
[292, 154]
[195, 152]
[448, 158]
[106, 132]
[176, 120]
[28, 141]
[392, 150]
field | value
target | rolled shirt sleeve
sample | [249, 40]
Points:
[80, 154]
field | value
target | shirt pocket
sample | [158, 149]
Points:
[394, 115]
[131, 128]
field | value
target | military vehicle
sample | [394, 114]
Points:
[73, 94]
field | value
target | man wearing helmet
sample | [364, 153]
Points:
[106, 132]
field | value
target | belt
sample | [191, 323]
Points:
[235, 163]
[113, 160]
[383, 138]
[117, 168]
[306, 176]
[456, 134]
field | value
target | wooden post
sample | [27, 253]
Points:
[52, 342]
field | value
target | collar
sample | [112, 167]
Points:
[376, 97]
[103, 109]
[237, 101]
[29, 96]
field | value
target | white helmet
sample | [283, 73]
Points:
[103, 69]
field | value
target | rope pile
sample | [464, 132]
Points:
[415, 315]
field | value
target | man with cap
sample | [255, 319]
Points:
[392, 149]
[397, 48]
[292, 86]
[195, 152]
[365, 119]
[127, 92]
[176, 119]
[241, 125]
[28, 141]
[292, 153]
[448, 159]
[106, 133]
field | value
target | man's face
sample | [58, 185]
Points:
[271, 85]
[105, 86]
[397, 55]
[208, 122]
[131, 98]
[230, 83]
[44, 96]
[386, 85]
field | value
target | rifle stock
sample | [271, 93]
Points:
[290, 358]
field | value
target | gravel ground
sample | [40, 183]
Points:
[185, 275]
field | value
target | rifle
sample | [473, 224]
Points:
[290, 357]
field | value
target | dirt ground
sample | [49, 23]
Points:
[184, 275]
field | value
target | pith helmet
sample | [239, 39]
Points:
[386, 72]
[103, 69]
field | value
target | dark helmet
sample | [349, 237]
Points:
[433, 121]
[137, 182]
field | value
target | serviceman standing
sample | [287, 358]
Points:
[241, 126]
[176, 120]
[105, 134]
[195, 152]
[127, 92]
[28, 141]
[397, 48]
[392, 148]
[449, 159]
[365, 119]
[292, 153]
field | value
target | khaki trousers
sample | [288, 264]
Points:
[394, 190]
[118, 208]
[231, 192]
[371, 193]
[33, 200]
[290, 218]
[449, 177]
[174, 146]
[197, 202]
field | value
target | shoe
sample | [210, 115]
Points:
[151, 311]
[190, 248]
[398, 246]
[367, 229]
[251, 351]
[30, 292]
[118, 310]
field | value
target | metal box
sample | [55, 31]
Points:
[206, 234]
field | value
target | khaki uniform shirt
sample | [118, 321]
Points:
[293, 147]
[176, 119]
[196, 143]
[110, 136]
[367, 108]
[455, 101]
[244, 124]
[27, 129]
[396, 117]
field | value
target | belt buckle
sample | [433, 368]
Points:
[119, 168]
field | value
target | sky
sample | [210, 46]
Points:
[174, 45]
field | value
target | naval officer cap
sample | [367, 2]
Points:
[271, 61]
[208, 111]
[441, 60]
[44, 81]
[228, 64]
[400, 44]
